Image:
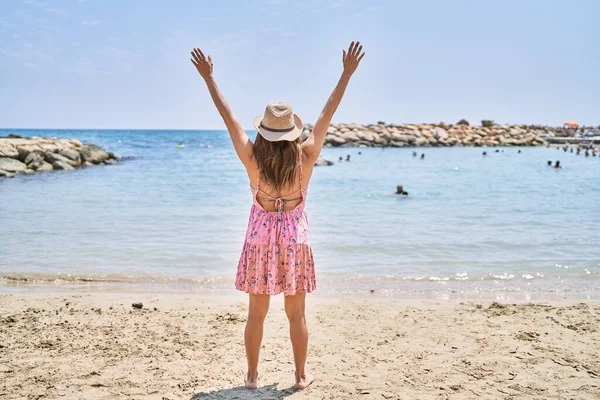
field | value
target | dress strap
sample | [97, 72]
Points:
[300, 169]
[258, 178]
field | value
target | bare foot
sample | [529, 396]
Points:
[304, 380]
[251, 383]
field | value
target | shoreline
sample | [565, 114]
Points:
[98, 346]
[326, 288]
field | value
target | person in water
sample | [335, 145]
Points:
[400, 190]
[277, 256]
[348, 158]
[484, 153]
[549, 163]
[341, 159]
[414, 153]
[557, 164]
[422, 156]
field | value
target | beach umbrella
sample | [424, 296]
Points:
[572, 124]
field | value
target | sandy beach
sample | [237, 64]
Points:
[97, 346]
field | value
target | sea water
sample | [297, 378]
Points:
[174, 218]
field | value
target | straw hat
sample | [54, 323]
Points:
[279, 123]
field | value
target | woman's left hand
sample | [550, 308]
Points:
[203, 65]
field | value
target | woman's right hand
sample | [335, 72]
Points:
[352, 58]
[203, 65]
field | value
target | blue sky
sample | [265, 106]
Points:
[125, 64]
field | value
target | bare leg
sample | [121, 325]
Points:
[257, 311]
[294, 309]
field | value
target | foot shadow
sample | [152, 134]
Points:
[270, 392]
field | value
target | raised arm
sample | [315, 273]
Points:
[241, 141]
[351, 59]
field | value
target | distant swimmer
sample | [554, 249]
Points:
[348, 158]
[414, 153]
[341, 159]
[549, 163]
[180, 146]
[497, 151]
[400, 191]
[519, 151]
[557, 164]
[587, 153]
[422, 156]
[484, 153]
[359, 153]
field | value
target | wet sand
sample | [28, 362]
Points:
[97, 346]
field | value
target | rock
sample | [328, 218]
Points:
[440, 133]
[463, 122]
[321, 162]
[12, 165]
[73, 156]
[365, 135]
[34, 157]
[54, 157]
[336, 140]
[6, 174]
[137, 305]
[398, 137]
[421, 142]
[44, 167]
[93, 154]
[8, 150]
[426, 133]
[28, 171]
[487, 123]
[61, 165]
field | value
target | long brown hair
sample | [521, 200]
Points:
[277, 161]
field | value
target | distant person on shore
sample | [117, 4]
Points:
[279, 166]
[557, 164]
[422, 156]
[400, 191]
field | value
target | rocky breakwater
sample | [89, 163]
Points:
[20, 155]
[430, 135]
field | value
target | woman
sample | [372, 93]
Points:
[277, 256]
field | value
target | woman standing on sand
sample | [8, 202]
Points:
[277, 256]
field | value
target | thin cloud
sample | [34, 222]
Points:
[90, 23]
[12, 54]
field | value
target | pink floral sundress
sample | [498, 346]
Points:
[277, 256]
